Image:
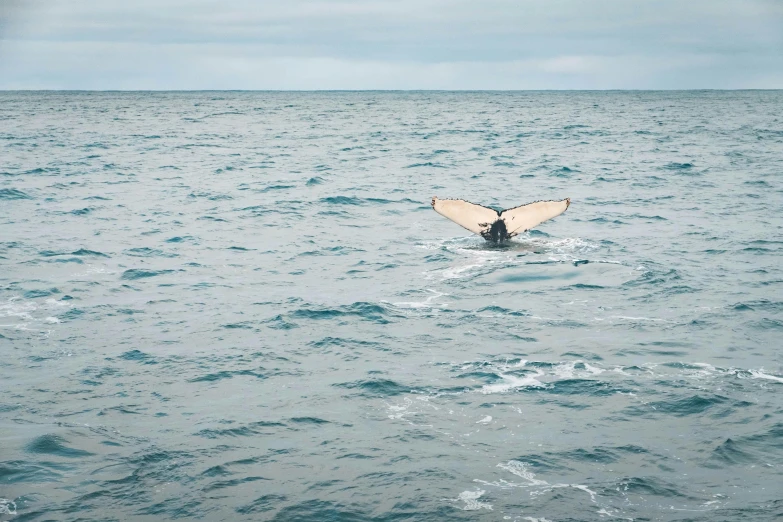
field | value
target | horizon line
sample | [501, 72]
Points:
[704, 89]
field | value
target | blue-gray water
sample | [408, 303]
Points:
[240, 306]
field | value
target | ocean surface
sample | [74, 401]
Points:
[240, 306]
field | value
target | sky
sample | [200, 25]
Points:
[391, 44]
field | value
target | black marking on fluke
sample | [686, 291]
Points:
[497, 233]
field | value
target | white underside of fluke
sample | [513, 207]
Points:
[479, 219]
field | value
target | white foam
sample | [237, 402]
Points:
[758, 374]
[542, 519]
[92, 269]
[17, 307]
[568, 370]
[485, 420]
[398, 411]
[7, 507]
[604, 512]
[56, 303]
[470, 498]
[520, 469]
[51, 320]
[512, 382]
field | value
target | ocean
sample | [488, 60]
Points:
[241, 306]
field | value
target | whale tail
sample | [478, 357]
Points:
[498, 226]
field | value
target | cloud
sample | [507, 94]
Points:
[456, 44]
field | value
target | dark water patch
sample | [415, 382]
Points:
[582, 286]
[563, 171]
[138, 356]
[81, 211]
[315, 421]
[210, 196]
[43, 170]
[648, 218]
[500, 310]
[227, 374]
[582, 387]
[315, 180]
[128, 311]
[221, 484]
[650, 486]
[547, 462]
[362, 456]
[759, 448]
[337, 213]
[279, 323]
[655, 276]
[273, 188]
[10, 194]
[328, 342]
[250, 430]
[56, 446]
[148, 252]
[335, 250]
[89, 253]
[731, 453]
[342, 200]
[760, 304]
[681, 407]
[32, 294]
[366, 311]
[678, 166]
[596, 455]
[381, 201]
[757, 250]
[18, 472]
[426, 164]
[73, 313]
[245, 325]
[180, 239]
[140, 273]
[325, 510]
[767, 324]
[488, 377]
[270, 502]
[584, 355]
[375, 387]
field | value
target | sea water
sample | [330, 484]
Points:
[240, 306]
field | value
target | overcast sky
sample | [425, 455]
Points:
[391, 44]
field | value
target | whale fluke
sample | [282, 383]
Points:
[498, 226]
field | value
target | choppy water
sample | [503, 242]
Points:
[241, 306]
